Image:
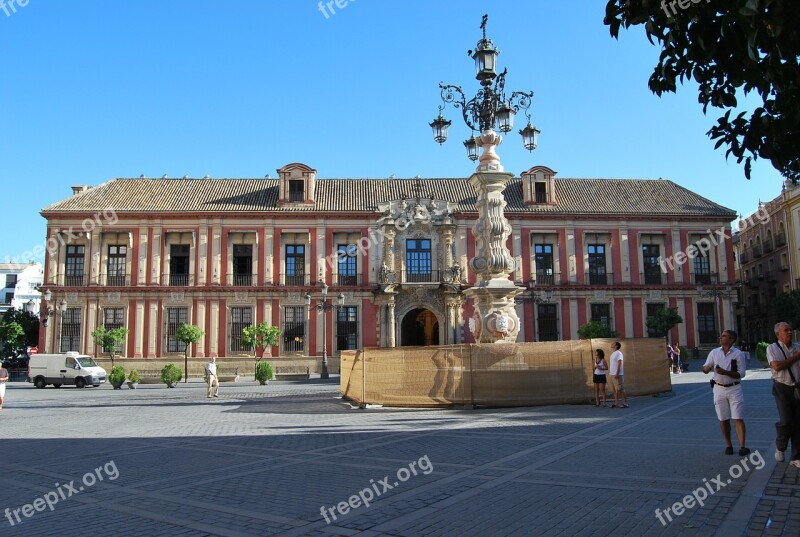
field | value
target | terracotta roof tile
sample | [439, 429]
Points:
[657, 197]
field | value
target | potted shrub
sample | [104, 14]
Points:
[263, 372]
[170, 375]
[134, 377]
[117, 376]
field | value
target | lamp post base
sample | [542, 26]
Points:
[323, 373]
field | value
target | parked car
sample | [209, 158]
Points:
[69, 368]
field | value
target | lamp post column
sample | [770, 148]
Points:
[324, 372]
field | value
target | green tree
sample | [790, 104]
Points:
[730, 49]
[785, 307]
[663, 321]
[260, 336]
[30, 326]
[109, 340]
[188, 334]
[596, 329]
[13, 336]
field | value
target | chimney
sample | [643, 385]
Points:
[80, 189]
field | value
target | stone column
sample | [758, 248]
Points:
[391, 324]
[496, 319]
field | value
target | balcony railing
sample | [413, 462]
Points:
[345, 280]
[768, 245]
[177, 280]
[76, 280]
[705, 278]
[240, 280]
[117, 280]
[756, 251]
[420, 276]
[599, 278]
[654, 278]
[298, 280]
[744, 257]
[780, 240]
[546, 279]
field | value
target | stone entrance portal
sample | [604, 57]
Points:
[420, 327]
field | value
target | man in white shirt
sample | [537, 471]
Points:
[784, 360]
[728, 365]
[211, 372]
[617, 371]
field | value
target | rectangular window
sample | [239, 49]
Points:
[597, 264]
[11, 280]
[702, 271]
[241, 318]
[346, 267]
[547, 322]
[652, 270]
[544, 264]
[296, 188]
[115, 264]
[73, 274]
[294, 328]
[652, 311]
[602, 313]
[114, 318]
[540, 192]
[418, 260]
[175, 318]
[706, 323]
[242, 264]
[295, 264]
[9, 298]
[179, 264]
[71, 330]
[347, 328]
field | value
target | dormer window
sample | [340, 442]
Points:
[538, 186]
[296, 190]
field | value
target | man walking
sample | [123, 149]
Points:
[211, 372]
[617, 372]
[783, 357]
[727, 362]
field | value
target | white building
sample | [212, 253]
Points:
[21, 283]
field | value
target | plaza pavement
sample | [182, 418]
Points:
[264, 460]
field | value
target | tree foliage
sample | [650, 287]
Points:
[663, 321]
[188, 334]
[109, 339]
[786, 308]
[730, 49]
[30, 331]
[260, 336]
[596, 329]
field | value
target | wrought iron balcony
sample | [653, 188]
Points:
[653, 278]
[76, 280]
[704, 278]
[116, 280]
[241, 280]
[345, 280]
[768, 245]
[420, 276]
[599, 278]
[297, 280]
[177, 280]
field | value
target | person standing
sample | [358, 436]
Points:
[213, 381]
[784, 358]
[3, 380]
[617, 372]
[599, 376]
[728, 365]
[676, 349]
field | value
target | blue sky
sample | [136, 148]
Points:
[97, 89]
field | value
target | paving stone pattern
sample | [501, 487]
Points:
[263, 460]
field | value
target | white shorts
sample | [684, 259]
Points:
[2, 390]
[729, 402]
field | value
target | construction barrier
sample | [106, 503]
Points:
[504, 374]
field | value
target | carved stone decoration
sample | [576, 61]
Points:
[654, 294]
[114, 297]
[386, 275]
[240, 296]
[176, 296]
[600, 295]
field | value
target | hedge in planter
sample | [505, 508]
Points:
[170, 374]
[263, 372]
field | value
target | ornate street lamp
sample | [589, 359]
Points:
[495, 319]
[323, 306]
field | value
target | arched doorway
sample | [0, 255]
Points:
[419, 327]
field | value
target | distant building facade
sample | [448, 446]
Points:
[151, 254]
[21, 282]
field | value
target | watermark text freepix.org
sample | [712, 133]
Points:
[365, 496]
[9, 7]
[710, 487]
[62, 492]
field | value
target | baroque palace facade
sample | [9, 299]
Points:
[151, 254]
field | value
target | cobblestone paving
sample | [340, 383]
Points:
[266, 461]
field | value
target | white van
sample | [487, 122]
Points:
[69, 368]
